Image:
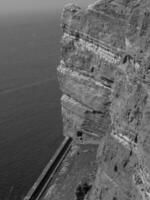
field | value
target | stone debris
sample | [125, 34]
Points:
[51, 192]
[104, 74]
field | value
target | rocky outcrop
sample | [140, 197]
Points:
[104, 76]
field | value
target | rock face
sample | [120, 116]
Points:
[104, 75]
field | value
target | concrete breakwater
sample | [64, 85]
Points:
[49, 171]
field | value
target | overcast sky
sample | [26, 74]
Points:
[9, 6]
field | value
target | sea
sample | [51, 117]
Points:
[30, 112]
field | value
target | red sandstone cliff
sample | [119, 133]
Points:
[104, 77]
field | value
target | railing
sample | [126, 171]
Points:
[42, 183]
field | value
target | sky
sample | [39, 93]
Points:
[17, 6]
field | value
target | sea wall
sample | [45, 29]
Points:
[104, 77]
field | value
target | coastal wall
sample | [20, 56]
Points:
[104, 78]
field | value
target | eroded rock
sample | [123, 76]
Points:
[105, 78]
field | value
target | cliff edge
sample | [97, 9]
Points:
[104, 75]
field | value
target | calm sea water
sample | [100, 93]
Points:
[30, 116]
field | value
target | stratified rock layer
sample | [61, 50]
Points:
[104, 75]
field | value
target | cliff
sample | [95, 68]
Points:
[104, 76]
